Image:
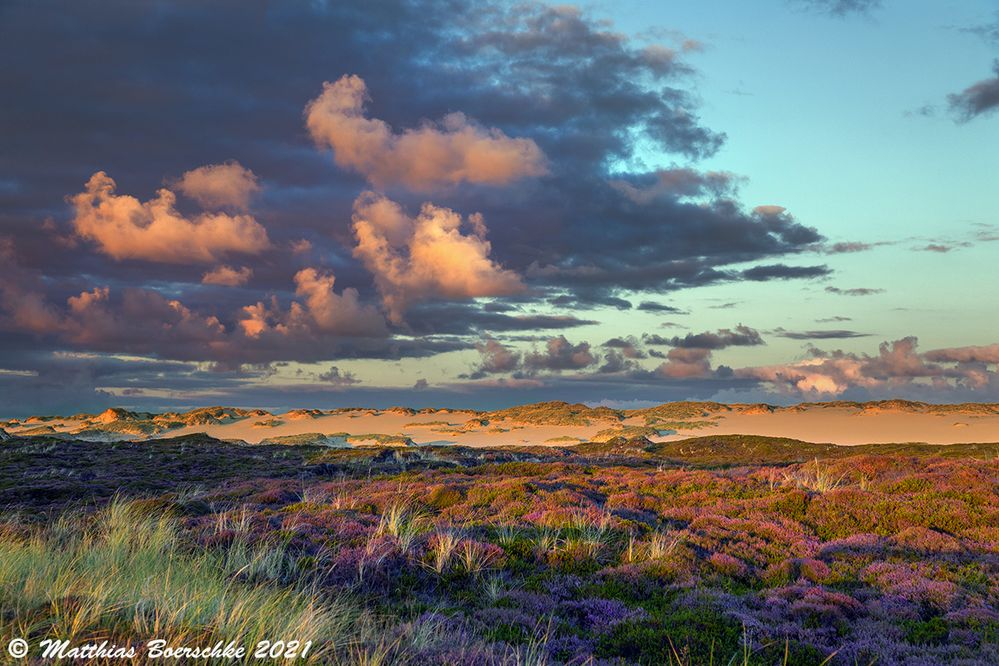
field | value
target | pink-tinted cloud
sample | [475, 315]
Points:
[125, 228]
[974, 354]
[143, 321]
[227, 276]
[227, 185]
[560, 354]
[496, 357]
[323, 311]
[686, 363]
[453, 151]
[425, 257]
[897, 364]
[319, 324]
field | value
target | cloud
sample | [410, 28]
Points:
[496, 358]
[628, 347]
[125, 228]
[555, 76]
[560, 354]
[587, 96]
[977, 99]
[652, 306]
[25, 306]
[742, 336]
[851, 247]
[937, 247]
[897, 367]
[337, 378]
[587, 300]
[782, 272]
[841, 8]
[226, 276]
[462, 318]
[675, 183]
[324, 311]
[833, 334]
[414, 259]
[138, 321]
[623, 356]
[684, 363]
[429, 157]
[987, 31]
[980, 354]
[227, 185]
[856, 291]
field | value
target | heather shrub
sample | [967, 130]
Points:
[697, 635]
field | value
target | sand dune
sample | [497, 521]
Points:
[551, 423]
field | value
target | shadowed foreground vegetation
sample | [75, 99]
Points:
[714, 550]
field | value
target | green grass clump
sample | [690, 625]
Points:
[125, 575]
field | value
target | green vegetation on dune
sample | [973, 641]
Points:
[309, 439]
[761, 450]
[554, 413]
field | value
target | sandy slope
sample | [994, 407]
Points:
[839, 423]
[846, 426]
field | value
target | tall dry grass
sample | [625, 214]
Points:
[124, 575]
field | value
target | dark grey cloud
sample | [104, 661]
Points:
[832, 334]
[467, 319]
[336, 377]
[978, 99]
[741, 336]
[629, 347]
[987, 31]
[560, 354]
[847, 247]
[653, 306]
[496, 358]
[589, 300]
[840, 8]
[783, 272]
[144, 92]
[581, 91]
[854, 291]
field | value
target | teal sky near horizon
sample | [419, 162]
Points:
[625, 253]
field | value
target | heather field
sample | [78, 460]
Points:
[713, 550]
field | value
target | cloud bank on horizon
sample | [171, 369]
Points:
[355, 213]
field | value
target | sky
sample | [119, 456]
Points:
[481, 204]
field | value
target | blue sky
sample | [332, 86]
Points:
[185, 224]
[823, 117]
